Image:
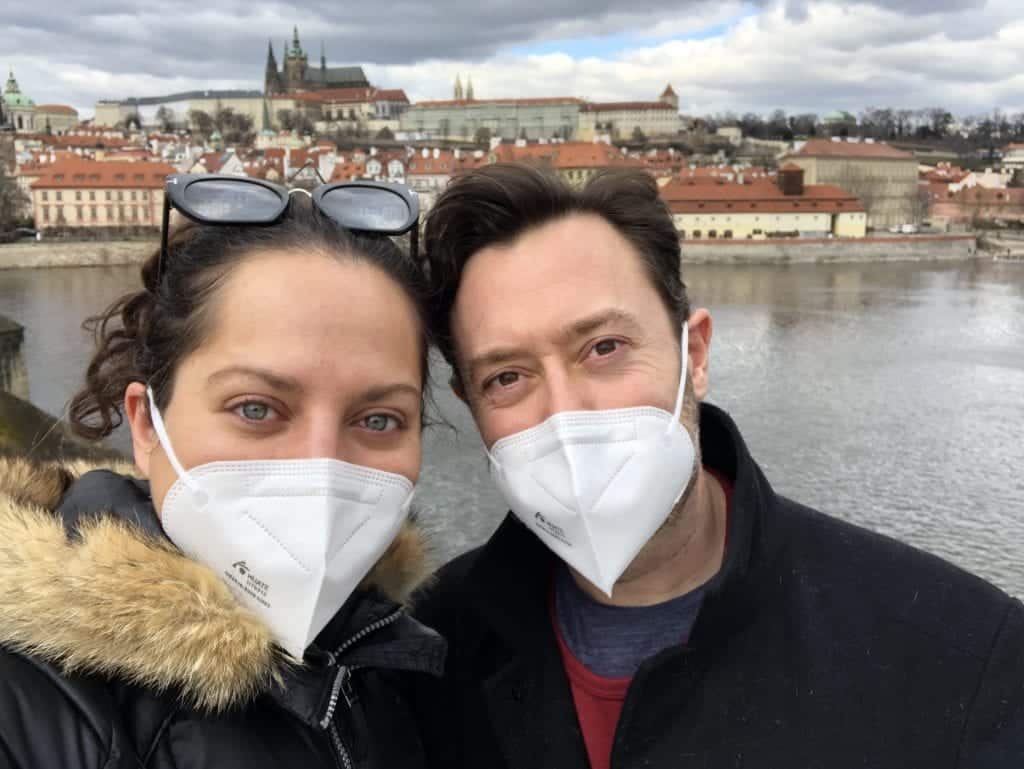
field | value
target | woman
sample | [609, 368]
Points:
[241, 606]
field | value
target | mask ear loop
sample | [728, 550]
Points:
[165, 442]
[684, 366]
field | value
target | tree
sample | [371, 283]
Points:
[384, 134]
[234, 127]
[13, 202]
[639, 136]
[482, 136]
[201, 122]
[294, 120]
[165, 118]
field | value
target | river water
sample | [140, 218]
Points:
[889, 395]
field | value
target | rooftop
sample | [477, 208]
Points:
[825, 148]
[92, 174]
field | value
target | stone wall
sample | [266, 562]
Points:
[13, 374]
[917, 248]
[56, 253]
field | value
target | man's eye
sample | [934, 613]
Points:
[254, 411]
[380, 423]
[606, 346]
[504, 379]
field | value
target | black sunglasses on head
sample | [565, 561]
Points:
[365, 207]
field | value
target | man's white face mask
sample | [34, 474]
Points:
[291, 538]
[596, 485]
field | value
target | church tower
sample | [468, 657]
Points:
[668, 96]
[271, 78]
[469, 88]
[458, 95]
[295, 64]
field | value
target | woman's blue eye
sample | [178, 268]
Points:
[255, 412]
[379, 422]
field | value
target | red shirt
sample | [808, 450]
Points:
[598, 699]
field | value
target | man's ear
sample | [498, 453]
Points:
[700, 351]
[455, 382]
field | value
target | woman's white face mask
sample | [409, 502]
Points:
[292, 538]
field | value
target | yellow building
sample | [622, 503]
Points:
[718, 210]
[883, 178]
[89, 194]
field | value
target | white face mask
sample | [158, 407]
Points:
[291, 538]
[596, 485]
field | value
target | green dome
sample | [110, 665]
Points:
[13, 97]
[17, 100]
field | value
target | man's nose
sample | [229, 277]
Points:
[566, 393]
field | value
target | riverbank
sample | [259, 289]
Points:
[60, 253]
[911, 248]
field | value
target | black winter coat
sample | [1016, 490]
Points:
[116, 651]
[819, 646]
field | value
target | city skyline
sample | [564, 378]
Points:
[799, 55]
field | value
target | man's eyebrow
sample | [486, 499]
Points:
[494, 357]
[275, 381]
[598, 320]
[576, 329]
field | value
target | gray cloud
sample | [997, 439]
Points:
[149, 45]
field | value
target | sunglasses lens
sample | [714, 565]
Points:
[238, 201]
[366, 208]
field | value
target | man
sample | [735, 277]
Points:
[650, 601]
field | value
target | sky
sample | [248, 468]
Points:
[719, 55]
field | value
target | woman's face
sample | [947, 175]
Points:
[305, 356]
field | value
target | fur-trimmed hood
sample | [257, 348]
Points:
[115, 601]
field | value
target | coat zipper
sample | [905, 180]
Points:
[342, 685]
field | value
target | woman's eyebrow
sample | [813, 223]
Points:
[276, 381]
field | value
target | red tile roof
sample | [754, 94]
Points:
[824, 148]
[391, 94]
[759, 196]
[92, 174]
[57, 109]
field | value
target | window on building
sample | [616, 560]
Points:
[696, 234]
[727, 234]
[80, 212]
[43, 195]
[120, 195]
[145, 194]
[92, 195]
[78, 194]
[58, 195]
[46, 213]
[712, 234]
[110, 213]
[108, 195]
[134, 195]
[92, 212]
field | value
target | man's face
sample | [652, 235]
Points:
[565, 318]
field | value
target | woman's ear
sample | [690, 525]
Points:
[136, 411]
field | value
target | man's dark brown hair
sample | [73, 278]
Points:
[499, 203]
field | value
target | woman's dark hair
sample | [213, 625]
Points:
[497, 204]
[145, 335]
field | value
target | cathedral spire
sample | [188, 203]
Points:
[469, 87]
[296, 46]
[458, 95]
